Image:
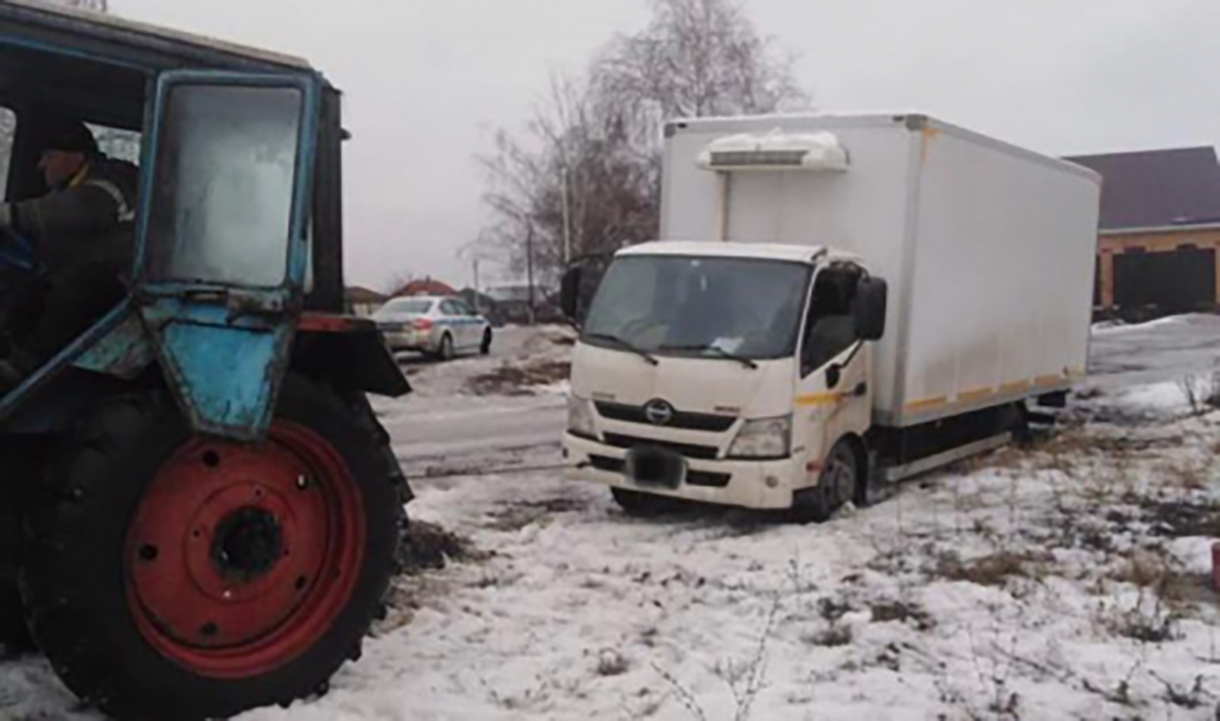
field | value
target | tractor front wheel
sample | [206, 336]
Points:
[187, 577]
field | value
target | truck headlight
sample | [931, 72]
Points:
[580, 417]
[763, 438]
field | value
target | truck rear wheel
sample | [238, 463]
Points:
[187, 577]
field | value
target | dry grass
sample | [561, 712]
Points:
[1151, 569]
[994, 569]
[1143, 569]
[1185, 475]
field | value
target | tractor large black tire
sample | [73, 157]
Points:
[75, 581]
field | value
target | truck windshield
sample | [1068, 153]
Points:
[700, 306]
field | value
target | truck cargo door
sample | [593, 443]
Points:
[222, 239]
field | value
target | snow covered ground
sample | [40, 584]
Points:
[1064, 581]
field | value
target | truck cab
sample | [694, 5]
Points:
[727, 373]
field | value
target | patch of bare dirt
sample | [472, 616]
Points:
[427, 546]
[1182, 519]
[510, 380]
[518, 515]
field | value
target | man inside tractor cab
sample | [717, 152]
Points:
[82, 233]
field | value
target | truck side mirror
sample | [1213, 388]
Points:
[569, 292]
[869, 308]
[834, 374]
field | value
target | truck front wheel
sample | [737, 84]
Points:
[839, 482]
[188, 577]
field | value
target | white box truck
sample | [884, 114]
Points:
[838, 302]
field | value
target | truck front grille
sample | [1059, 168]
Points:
[686, 420]
[690, 450]
[693, 477]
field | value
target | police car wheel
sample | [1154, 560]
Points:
[445, 352]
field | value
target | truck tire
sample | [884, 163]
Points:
[187, 577]
[839, 482]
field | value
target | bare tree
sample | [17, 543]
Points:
[584, 178]
[696, 58]
[575, 156]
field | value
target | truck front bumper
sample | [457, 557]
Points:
[751, 484]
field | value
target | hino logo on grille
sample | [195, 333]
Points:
[658, 412]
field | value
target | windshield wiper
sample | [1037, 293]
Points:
[625, 345]
[714, 349]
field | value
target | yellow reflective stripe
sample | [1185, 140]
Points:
[974, 395]
[1014, 387]
[819, 399]
[925, 403]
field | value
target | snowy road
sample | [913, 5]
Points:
[1064, 582]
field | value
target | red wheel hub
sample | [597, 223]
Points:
[240, 558]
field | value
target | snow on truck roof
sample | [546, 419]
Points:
[726, 249]
[136, 31]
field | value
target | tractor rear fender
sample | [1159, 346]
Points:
[343, 352]
[348, 353]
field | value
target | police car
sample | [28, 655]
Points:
[438, 326]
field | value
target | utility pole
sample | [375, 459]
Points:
[478, 297]
[567, 220]
[529, 268]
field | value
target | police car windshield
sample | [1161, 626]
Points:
[406, 305]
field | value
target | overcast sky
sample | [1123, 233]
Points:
[428, 81]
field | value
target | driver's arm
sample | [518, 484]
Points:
[84, 209]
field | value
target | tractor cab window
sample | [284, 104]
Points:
[222, 200]
[117, 143]
[830, 326]
[8, 128]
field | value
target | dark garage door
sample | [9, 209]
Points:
[1178, 281]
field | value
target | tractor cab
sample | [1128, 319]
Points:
[199, 506]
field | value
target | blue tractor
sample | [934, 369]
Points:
[199, 511]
